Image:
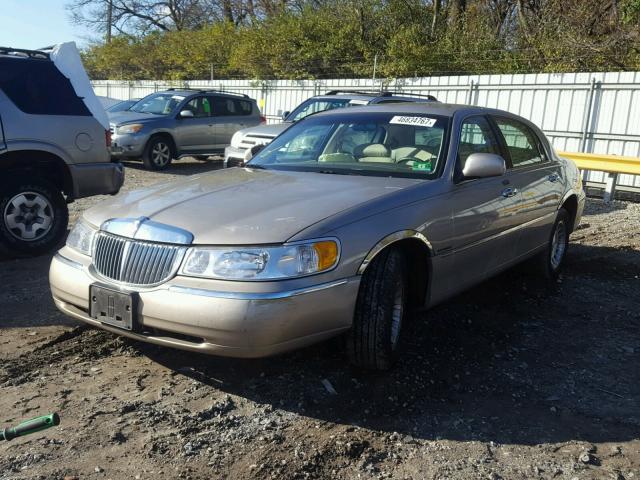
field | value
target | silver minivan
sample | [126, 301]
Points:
[175, 123]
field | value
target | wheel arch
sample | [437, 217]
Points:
[570, 204]
[39, 163]
[168, 136]
[418, 252]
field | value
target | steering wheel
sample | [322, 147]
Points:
[433, 142]
[411, 159]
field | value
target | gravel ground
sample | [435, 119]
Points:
[513, 379]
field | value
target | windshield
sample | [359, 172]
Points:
[361, 144]
[158, 103]
[121, 106]
[317, 105]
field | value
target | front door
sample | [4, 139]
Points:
[483, 209]
[196, 134]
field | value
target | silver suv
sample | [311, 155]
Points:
[52, 151]
[174, 123]
[252, 139]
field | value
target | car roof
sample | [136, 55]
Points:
[195, 91]
[434, 108]
[370, 96]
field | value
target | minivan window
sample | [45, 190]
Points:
[37, 87]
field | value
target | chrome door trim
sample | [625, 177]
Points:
[503, 233]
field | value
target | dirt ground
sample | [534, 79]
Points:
[514, 379]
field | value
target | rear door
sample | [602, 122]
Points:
[484, 209]
[196, 134]
[229, 116]
[537, 178]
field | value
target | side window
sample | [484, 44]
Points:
[523, 145]
[199, 106]
[223, 107]
[476, 136]
[243, 107]
[37, 87]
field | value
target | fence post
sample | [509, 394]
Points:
[472, 85]
[586, 121]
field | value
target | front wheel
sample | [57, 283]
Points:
[157, 154]
[34, 215]
[374, 337]
[549, 262]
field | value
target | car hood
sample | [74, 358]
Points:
[242, 206]
[271, 130]
[118, 118]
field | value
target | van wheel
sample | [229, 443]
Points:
[548, 263]
[34, 216]
[374, 337]
[157, 154]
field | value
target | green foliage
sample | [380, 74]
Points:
[341, 38]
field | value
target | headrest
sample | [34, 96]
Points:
[372, 150]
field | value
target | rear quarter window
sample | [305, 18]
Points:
[37, 87]
[243, 107]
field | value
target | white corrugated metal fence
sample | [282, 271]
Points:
[580, 112]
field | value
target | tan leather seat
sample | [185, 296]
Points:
[373, 152]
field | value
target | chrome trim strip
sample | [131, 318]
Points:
[143, 228]
[256, 296]
[388, 240]
[501, 234]
[68, 261]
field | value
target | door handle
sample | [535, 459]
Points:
[509, 192]
[553, 177]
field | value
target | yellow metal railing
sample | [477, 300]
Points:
[604, 163]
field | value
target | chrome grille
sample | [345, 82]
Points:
[135, 262]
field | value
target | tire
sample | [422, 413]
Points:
[374, 338]
[549, 262]
[33, 216]
[158, 153]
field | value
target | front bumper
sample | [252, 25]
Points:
[234, 156]
[96, 179]
[183, 313]
[128, 146]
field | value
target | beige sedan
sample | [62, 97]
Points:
[338, 226]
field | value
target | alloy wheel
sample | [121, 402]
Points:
[28, 216]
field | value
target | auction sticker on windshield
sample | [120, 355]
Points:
[421, 121]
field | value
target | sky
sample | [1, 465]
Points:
[35, 24]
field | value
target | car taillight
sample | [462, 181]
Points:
[263, 119]
[107, 137]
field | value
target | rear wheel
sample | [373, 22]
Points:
[158, 154]
[34, 215]
[374, 338]
[549, 262]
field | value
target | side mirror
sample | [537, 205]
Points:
[186, 114]
[481, 165]
[285, 114]
[250, 153]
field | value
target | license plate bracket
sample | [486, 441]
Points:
[113, 307]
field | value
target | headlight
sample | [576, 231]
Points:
[81, 237]
[262, 263]
[130, 128]
[236, 139]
